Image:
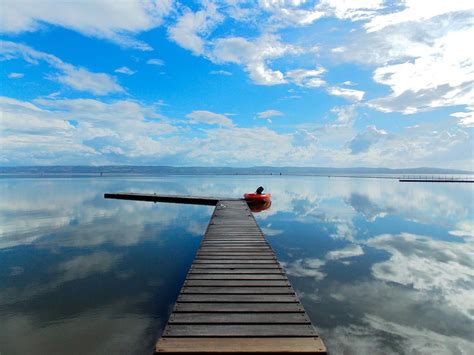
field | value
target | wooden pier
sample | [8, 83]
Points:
[470, 181]
[236, 297]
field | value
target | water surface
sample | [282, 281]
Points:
[381, 266]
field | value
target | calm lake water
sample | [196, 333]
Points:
[382, 267]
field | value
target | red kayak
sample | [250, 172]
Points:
[252, 196]
[258, 202]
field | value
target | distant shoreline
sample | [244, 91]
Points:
[206, 171]
[440, 177]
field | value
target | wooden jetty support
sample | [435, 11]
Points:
[189, 200]
[236, 297]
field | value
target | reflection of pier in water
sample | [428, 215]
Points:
[236, 297]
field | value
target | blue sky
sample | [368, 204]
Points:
[237, 83]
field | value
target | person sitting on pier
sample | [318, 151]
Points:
[259, 190]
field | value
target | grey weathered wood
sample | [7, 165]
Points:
[230, 242]
[265, 277]
[223, 283]
[244, 330]
[238, 307]
[234, 257]
[264, 290]
[222, 251]
[236, 298]
[241, 256]
[235, 246]
[222, 248]
[239, 318]
[236, 271]
[261, 345]
[234, 252]
[233, 261]
[196, 266]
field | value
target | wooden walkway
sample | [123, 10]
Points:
[236, 297]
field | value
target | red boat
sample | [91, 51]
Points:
[252, 196]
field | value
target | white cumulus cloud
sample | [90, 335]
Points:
[254, 55]
[269, 114]
[220, 72]
[348, 94]
[100, 18]
[310, 78]
[189, 29]
[208, 117]
[155, 61]
[434, 267]
[415, 10]
[125, 70]
[363, 140]
[16, 75]
[349, 251]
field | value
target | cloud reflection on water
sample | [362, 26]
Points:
[406, 293]
[381, 267]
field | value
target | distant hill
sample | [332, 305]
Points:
[255, 170]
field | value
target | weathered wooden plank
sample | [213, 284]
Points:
[228, 236]
[239, 318]
[224, 224]
[222, 283]
[223, 251]
[236, 271]
[237, 345]
[245, 248]
[235, 266]
[236, 237]
[233, 261]
[234, 257]
[238, 307]
[234, 242]
[227, 225]
[242, 330]
[260, 277]
[236, 298]
[248, 290]
[229, 219]
[234, 248]
[259, 256]
[233, 252]
[231, 246]
[234, 229]
[229, 233]
[255, 242]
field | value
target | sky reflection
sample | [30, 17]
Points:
[381, 267]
